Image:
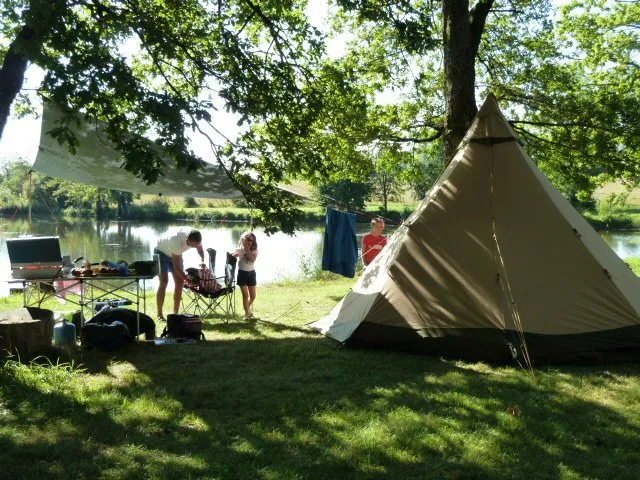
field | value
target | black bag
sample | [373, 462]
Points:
[183, 326]
[105, 336]
[143, 267]
[193, 275]
[128, 317]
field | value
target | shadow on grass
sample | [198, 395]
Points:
[253, 326]
[307, 408]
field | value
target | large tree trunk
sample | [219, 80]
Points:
[124, 204]
[462, 31]
[25, 48]
[12, 73]
[99, 209]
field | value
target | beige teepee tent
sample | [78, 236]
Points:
[493, 264]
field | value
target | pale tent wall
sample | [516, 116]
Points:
[442, 295]
[494, 258]
[619, 272]
[377, 282]
[97, 163]
[446, 267]
[424, 280]
[558, 284]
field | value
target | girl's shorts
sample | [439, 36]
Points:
[247, 279]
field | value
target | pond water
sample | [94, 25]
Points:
[625, 244]
[282, 257]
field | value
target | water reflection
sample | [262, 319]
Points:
[625, 244]
[281, 256]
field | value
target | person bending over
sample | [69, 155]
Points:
[170, 248]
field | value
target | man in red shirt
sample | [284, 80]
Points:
[373, 242]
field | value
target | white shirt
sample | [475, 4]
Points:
[174, 243]
[246, 261]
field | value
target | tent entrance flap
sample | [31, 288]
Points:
[97, 163]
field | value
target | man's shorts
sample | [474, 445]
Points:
[166, 263]
[247, 279]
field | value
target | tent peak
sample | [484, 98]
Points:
[489, 125]
[489, 106]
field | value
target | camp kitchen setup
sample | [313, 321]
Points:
[37, 264]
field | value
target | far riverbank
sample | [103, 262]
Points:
[625, 218]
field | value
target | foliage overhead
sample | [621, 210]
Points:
[253, 59]
[387, 177]
[344, 194]
[565, 78]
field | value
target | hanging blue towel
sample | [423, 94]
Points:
[340, 252]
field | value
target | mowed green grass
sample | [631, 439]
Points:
[273, 400]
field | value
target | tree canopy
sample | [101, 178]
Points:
[192, 57]
[565, 78]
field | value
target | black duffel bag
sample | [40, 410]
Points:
[104, 336]
[183, 325]
[129, 318]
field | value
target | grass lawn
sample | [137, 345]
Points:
[273, 400]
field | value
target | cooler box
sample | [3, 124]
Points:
[35, 257]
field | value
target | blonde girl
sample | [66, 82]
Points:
[247, 253]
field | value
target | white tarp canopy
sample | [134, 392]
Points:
[97, 163]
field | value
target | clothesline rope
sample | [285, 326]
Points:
[338, 205]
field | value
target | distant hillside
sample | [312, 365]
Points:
[634, 196]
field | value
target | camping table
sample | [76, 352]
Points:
[90, 290]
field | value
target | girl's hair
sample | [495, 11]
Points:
[251, 236]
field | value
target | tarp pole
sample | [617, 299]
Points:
[29, 193]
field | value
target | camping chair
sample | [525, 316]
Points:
[205, 303]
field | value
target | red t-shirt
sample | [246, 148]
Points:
[368, 241]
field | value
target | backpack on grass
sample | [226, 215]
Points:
[183, 325]
[130, 319]
[104, 336]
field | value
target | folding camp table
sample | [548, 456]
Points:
[86, 292]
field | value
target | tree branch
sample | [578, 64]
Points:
[527, 133]
[394, 138]
[552, 124]
[477, 19]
